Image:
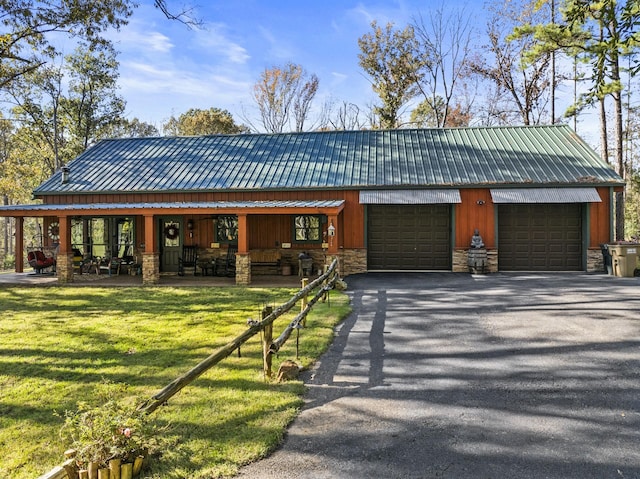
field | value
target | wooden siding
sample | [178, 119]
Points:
[599, 221]
[268, 230]
[471, 216]
[265, 230]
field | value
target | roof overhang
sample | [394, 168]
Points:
[173, 208]
[410, 197]
[545, 195]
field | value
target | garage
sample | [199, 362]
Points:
[545, 237]
[409, 237]
[542, 229]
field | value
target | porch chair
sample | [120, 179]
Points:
[38, 261]
[226, 266]
[109, 265]
[189, 259]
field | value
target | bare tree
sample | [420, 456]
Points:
[526, 84]
[446, 43]
[284, 95]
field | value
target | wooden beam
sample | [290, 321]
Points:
[19, 246]
[149, 234]
[64, 230]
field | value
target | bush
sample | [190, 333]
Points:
[8, 262]
[115, 430]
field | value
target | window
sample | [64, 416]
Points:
[171, 234]
[125, 237]
[103, 236]
[307, 229]
[227, 229]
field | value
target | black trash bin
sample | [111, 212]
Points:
[606, 258]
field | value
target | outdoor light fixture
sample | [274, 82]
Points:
[190, 226]
[331, 231]
[480, 202]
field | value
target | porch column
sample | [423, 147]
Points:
[150, 257]
[243, 259]
[64, 261]
[19, 246]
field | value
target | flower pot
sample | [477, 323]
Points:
[126, 470]
[114, 468]
[83, 474]
[137, 465]
[93, 470]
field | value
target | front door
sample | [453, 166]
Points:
[170, 243]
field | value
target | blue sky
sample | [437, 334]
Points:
[165, 68]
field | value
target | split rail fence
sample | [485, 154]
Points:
[324, 283]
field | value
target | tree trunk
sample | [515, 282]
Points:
[7, 225]
[618, 132]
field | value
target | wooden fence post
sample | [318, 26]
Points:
[266, 342]
[304, 301]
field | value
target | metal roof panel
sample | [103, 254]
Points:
[410, 158]
[410, 197]
[545, 195]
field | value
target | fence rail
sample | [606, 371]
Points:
[326, 281]
[329, 277]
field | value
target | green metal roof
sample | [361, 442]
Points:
[411, 158]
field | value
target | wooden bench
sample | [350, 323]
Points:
[267, 261]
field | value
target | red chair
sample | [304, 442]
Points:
[38, 261]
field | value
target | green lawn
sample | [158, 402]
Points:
[60, 345]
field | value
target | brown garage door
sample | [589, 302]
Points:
[409, 237]
[540, 237]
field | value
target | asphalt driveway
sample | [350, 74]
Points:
[459, 376]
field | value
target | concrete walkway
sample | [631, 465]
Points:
[459, 376]
[124, 280]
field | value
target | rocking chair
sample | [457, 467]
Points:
[189, 259]
[226, 266]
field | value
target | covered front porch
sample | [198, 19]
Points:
[149, 240]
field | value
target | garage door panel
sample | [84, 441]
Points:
[540, 237]
[409, 237]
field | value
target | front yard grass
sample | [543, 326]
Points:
[61, 345]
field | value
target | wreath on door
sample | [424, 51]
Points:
[172, 231]
[54, 231]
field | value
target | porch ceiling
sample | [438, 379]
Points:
[214, 207]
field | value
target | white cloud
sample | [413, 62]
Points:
[214, 39]
[338, 78]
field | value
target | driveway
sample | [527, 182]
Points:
[459, 376]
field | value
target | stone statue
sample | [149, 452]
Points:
[476, 240]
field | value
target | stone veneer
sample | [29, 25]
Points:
[595, 261]
[150, 268]
[460, 261]
[352, 261]
[64, 268]
[243, 268]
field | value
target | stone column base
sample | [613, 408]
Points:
[460, 261]
[64, 268]
[595, 261]
[243, 268]
[150, 268]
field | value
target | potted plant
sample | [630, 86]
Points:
[115, 435]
